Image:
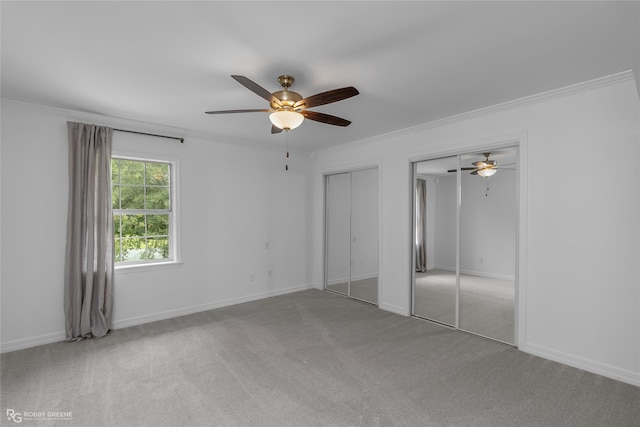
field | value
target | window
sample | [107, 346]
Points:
[143, 215]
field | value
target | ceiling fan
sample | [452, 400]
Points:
[484, 168]
[288, 108]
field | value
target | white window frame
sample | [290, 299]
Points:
[174, 211]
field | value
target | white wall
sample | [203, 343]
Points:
[488, 221]
[234, 199]
[579, 252]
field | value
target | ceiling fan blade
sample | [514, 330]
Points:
[462, 169]
[257, 89]
[325, 118]
[508, 164]
[475, 172]
[480, 164]
[327, 97]
[262, 110]
[275, 129]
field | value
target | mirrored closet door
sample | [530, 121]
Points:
[351, 234]
[465, 212]
[435, 241]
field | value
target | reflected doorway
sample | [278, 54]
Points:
[465, 242]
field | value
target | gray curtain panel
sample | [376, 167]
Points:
[421, 225]
[88, 292]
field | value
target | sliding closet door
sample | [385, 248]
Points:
[338, 233]
[488, 248]
[364, 235]
[465, 242]
[435, 284]
[351, 266]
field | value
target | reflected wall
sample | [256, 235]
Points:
[351, 233]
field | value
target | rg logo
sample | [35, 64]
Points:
[14, 416]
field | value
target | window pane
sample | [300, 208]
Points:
[144, 187]
[115, 171]
[157, 174]
[133, 226]
[115, 197]
[158, 225]
[133, 249]
[158, 248]
[131, 197]
[117, 219]
[158, 198]
[131, 172]
[118, 253]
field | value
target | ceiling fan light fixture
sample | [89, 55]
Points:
[487, 172]
[286, 119]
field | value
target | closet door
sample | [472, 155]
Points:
[351, 236]
[337, 265]
[488, 213]
[465, 242]
[364, 235]
[435, 283]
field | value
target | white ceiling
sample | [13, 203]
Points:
[413, 62]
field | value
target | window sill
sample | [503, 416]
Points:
[135, 268]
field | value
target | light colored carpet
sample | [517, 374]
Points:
[310, 358]
[486, 305]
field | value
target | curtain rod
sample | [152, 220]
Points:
[151, 134]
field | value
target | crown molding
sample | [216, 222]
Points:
[141, 126]
[485, 111]
[187, 133]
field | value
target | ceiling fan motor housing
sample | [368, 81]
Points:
[286, 97]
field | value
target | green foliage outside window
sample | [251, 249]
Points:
[141, 200]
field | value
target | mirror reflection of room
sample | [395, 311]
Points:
[478, 295]
[352, 234]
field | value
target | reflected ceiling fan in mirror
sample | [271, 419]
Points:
[485, 168]
[288, 108]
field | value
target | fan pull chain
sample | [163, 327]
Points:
[486, 193]
[286, 141]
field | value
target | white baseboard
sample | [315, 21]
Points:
[364, 276]
[353, 279]
[444, 267]
[605, 370]
[208, 306]
[476, 273]
[488, 275]
[394, 309]
[23, 343]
